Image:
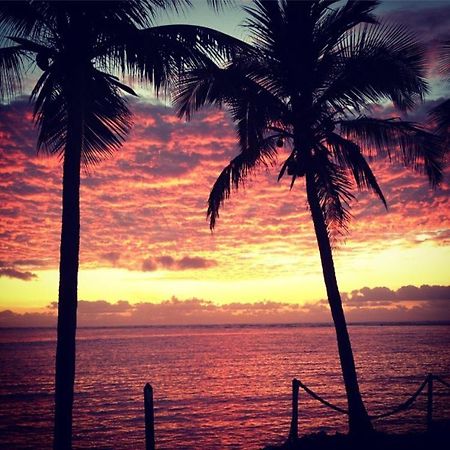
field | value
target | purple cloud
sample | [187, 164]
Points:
[362, 305]
[385, 296]
[13, 273]
[169, 263]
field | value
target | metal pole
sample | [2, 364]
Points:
[149, 418]
[430, 402]
[293, 432]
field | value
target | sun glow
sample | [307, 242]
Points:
[394, 266]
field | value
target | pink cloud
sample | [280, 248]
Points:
[150, 199]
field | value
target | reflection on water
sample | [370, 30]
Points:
[215, 387]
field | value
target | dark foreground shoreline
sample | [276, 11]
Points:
[436, 440]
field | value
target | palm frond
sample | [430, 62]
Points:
[266, 22]
[140, 13]
[213, 43]
[334, 192]
[235, 173]
[220, 191]
[440, 119]
[11, 71]
[19, 19]
[332, 25]
[107, 120]
[123, 87]
[372, 63]
[50, 114]
[31, 46]
[255, 112]
[444, 59]
[413, 145]
[234, 86]
[349, 156]
[158, 54]
[205, 85]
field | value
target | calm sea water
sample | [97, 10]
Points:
[215, 387]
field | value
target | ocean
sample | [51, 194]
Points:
[215, 387]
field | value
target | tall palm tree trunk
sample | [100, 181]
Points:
[68, 278]
[359, 422]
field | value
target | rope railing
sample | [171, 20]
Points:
[320, 399]
[403, 406]
[428, 382]
[437, 378]
[296, 384]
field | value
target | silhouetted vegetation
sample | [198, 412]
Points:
[306, 85]
[81, 47]
[439, 440]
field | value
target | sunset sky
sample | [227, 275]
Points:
[147, 255]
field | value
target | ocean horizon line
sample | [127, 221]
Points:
[248, 325]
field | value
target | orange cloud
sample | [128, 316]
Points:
[149, 200]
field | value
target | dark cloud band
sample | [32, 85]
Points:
[363, 305]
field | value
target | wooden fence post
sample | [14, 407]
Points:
[149, 418]
[430, 402]
[293, 432]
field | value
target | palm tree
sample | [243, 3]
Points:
[306, 84]
[81, 47]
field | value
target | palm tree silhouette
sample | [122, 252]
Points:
[306, 84]
[81, 47]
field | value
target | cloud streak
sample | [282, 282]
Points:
[14, 273]
[362, 305]
[405, 293]
[170, 263]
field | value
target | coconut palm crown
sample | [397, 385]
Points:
[307, 85]
[80, 49]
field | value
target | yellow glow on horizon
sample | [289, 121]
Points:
[393, 267]
[120, 284]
